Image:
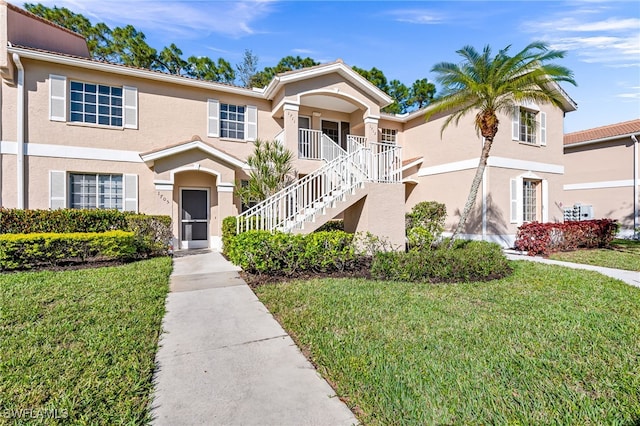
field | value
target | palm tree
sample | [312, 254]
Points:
[490, 85]
[271, 170]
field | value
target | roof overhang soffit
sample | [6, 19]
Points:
[149, 158]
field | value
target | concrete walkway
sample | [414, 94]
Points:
[629, 277]
[224, 359]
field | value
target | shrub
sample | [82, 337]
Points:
[467, 261]
[153, 232]
[263, 252]
[18, 221]
[332, 225]
[25, 251]
[424, 224]
[228, 232]
[544, 238]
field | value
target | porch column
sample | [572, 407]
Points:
[371, 129]
[291, 127]
[165, 204]
[226, 208]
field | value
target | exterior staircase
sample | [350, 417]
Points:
[319, 196]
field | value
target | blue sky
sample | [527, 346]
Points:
[404, 39]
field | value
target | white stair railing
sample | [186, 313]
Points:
[311, 195]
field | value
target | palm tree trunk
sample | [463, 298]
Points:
[473, 193]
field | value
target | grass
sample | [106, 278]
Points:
[548, 345]
[623, 254]
[80, 345]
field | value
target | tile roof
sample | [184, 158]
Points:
[597, 133]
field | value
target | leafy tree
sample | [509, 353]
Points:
[487, 85]
[422, 93]
[271, 170]
[248, 68]
[288, 63]
[400, 93]
[170, 59]
[205, 68]
[128, 47]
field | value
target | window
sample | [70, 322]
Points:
[527, 126]
[90, 191]
[530, 125]
[388, 136]
[232, 121]
[96, 104]
[530, 200]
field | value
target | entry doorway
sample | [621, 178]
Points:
[194, 218]
[337, 131]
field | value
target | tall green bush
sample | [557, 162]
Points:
[424, 224]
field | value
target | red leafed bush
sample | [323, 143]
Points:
[544, 238]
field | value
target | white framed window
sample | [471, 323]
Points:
[91, 191]
[92, 103]
[232, 119]
[529, 125]
[96, 104]
[529, 199]
[388, 136]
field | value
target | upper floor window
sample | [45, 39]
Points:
[90, 191]
[529, 126]
[388, 136]
[232, 121]
[91, 103]
[232, 118]
[96, 104]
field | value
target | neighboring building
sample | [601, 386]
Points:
[80, 133]
[601, 173]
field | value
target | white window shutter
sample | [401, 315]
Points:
[57, 189]
[515, 124]
[543, 128]
[213, 116]
[251, 122]
[545, 201]
[130, 195]
[57, 97]
[130, 101]
[514, 200]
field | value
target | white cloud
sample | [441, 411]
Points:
[417, 16]
[177, 18]
[593, 37]
[303, 51]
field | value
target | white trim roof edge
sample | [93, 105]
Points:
[165, 152]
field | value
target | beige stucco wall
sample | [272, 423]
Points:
[24, 29]
[167, 114]
[606, 172]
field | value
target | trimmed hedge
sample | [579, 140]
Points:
[263, 252]
[544, 238]
[153, 232]
[228, 232]
[467, 261]
[25, 251]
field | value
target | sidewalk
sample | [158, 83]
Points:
[224, 360]
[629, 277]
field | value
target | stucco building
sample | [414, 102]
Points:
[80, 133]
[601, 172]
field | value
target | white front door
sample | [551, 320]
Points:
[194, 218]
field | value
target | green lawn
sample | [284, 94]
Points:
[80, 345]
[623, 254]
[548, 345]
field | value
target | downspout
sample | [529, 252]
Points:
[20, 132]
[636, 213]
